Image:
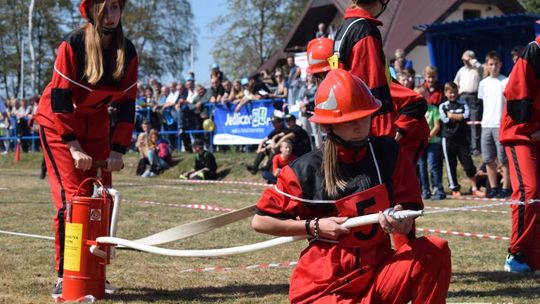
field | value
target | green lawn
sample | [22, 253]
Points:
[27, 269]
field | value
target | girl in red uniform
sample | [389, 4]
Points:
[352, 175]
[95, 73]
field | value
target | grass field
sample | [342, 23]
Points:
[27, 269]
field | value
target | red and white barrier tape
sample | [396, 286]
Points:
[198, 189]
[479, 199]
[474, 122]
[188, 206]
[189, 181]
[502, 200]
[465, 234]
[183, 181]
[468, 210]
[249, 267]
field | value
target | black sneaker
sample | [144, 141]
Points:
[57, 291]
[492, 192]
[251, 169]
[504, 193]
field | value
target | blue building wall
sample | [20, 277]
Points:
[447, 41]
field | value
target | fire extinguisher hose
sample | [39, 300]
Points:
[350, 223]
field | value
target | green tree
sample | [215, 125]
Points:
[532, 5]
[252, 31]
[163, 32]
[49, 18]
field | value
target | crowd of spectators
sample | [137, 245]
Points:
[464, 117]
[175, 113]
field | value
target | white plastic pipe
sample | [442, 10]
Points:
[117, 197]
[350, 223]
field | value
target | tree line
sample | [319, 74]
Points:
[162, 31]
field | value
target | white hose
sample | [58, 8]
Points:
[203, 252]
[350, 223]
[117, 197]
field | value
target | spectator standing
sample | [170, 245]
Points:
[156, 87]
[321, 31]
[227, 89]
[431, 157]
[294, 70]
[268, 79]
[243, 98]
[400, 56]
[281, 89]
[256, 89]
[168, 111]
[454, 114]
[23, 114]
[217, 91]
[520, 135]
[216, 72]
[467, 79]
[205, 164]
[433, 89]
[491, 94]
[279, 161]
[201, 99]
[190, 88]
[237, 94]
[406, 78]
[4, 125]
[307, 106]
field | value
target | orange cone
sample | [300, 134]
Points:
[17, 156]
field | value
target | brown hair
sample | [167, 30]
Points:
[94, 62]
[450, 85]
[332, 173]
[493, 55]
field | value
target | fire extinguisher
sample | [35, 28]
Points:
[84, 259]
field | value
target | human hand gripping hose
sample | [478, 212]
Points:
[350, 223]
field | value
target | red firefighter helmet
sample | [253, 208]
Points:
[318, 51]
[86, 4]
[343, 97]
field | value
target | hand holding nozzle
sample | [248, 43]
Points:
[397, 220]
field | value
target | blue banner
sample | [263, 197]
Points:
[248, 126]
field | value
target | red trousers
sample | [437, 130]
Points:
[525, 178]
[418, 271]
[64, 179]
[413, 150]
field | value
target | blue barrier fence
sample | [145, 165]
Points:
[11, 138]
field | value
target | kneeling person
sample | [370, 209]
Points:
[354, 174]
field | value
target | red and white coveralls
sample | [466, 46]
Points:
[362, 267]
[359, 44]
[520, 119]
[72, 109]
